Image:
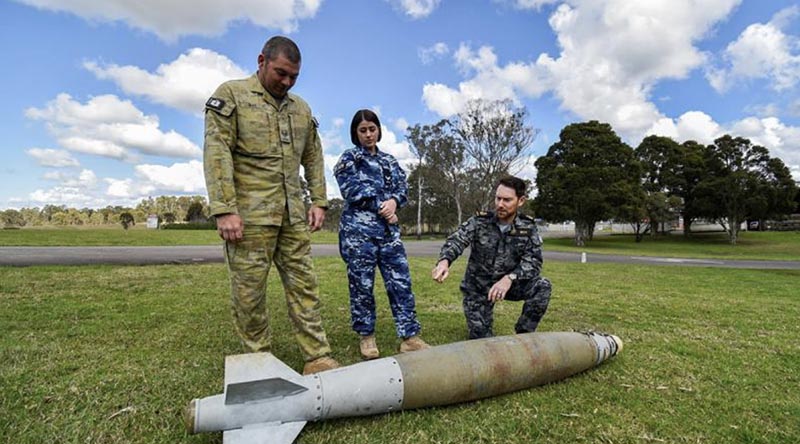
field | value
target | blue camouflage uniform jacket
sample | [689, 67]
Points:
[495, 254]
[365, 180]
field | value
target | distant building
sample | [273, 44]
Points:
[152, 221]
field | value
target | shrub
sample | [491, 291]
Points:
[210, 225]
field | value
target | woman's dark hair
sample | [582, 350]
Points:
[514, 182]
[364, 115]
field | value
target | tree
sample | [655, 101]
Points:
[743, 183]
[12, 218]
[660, 158]
[585, 177]
[442, 155]
[417, 137]
[691, 171]
[169, 217]
[635, 213]
[333, 214]
[195, 213]
[126, 219]
[496, 141]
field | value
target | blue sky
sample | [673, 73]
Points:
[102, 101]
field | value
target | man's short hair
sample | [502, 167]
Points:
[363, 115]
[280, 45]
[517, 184]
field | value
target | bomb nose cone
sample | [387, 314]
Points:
[618, 341]
[188, 416]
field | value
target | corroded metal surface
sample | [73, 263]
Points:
[470, 370]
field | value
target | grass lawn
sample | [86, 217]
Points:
[114, 235]
[768, 245]
[112, 354]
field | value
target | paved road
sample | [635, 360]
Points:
[26, 256]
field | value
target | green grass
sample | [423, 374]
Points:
[107, 354]
[773, 245]
[115, 236]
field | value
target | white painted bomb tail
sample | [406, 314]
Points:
[266, 401]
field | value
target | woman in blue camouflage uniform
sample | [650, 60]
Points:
[374, 187]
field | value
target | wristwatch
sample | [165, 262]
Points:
[512, 276]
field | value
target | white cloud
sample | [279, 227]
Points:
[781, 140]
[691, 125]
[172, 19]
[70, 196]
[86, 190]
[529, 4]
[178, 177]
[185, 83]
[333, 144]
[416, 9]
[127, 189]
[763, 110]
[599, 73]
[73, 190]
[433, 52]
[794, 108]
[53, 158]
[401, 124]
[109, 127]
[762, 51]
[400, 149]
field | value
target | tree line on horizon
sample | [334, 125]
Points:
[168, 209]
[588, 176]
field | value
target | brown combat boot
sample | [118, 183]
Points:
[320, 365]
[413, 343]
[368, 347]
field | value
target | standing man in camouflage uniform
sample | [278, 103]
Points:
[256, 137]
[504, 263]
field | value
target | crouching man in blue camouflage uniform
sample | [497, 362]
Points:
[504, 263]
[257, 135]
[374, 186]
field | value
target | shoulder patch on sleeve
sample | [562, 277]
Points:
[220, 106]
[215, 104]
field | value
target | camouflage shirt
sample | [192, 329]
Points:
[254, 147]
[495, 254]
[365, 181]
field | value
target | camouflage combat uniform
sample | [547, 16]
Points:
[254, 146]
[495, 254]
[366, 239]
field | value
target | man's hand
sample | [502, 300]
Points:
[316, 215]
[441, 271]
[388, 208]
[500, 289]
[392, 219]
[230, 227]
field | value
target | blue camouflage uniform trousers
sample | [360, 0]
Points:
[479, 311]
[363, 254]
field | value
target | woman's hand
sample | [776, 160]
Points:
[388, 208]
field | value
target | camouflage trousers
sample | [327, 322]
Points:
[479, 311]
[249, 261]
[362, 254]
